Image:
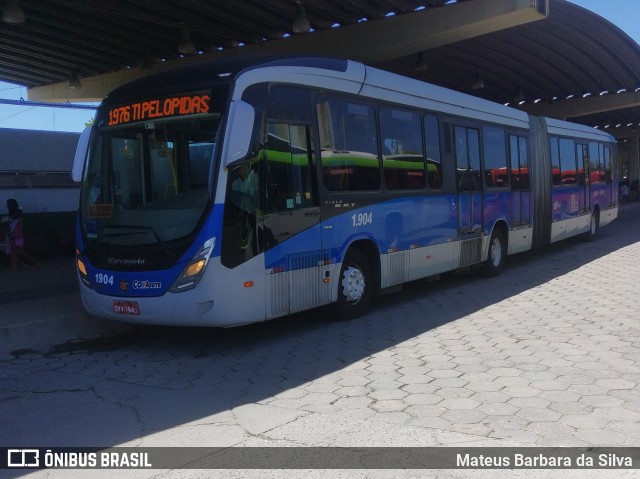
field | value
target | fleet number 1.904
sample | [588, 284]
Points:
[362, 219]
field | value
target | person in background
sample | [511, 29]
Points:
[15, 237]
[624, 192]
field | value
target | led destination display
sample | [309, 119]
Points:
[158, 108]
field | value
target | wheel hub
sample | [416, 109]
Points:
[496, 252]
[353, 284]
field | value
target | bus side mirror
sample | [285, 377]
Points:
[81, 155]
[239, 131]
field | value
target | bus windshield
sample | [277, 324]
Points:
[147, 182]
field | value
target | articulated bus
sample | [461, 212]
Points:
[237, 191]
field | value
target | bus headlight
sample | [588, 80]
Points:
[82, 270]
[194, 269]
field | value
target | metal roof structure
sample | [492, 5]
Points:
[549, 57]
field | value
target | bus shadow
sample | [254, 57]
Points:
[174, 376]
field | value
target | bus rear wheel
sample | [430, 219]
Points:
[494, 264]
[356, 286]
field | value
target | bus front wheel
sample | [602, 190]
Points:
[494, 264]
[356, 286]
[594, 225]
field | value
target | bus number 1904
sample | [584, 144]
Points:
[362, 219]
[104, 279]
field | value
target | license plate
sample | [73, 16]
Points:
[126, 307]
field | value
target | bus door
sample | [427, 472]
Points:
[520, 189]
[469, 180]
[293, 253]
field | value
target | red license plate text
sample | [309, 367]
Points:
[126, 307]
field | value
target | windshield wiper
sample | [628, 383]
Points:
[132, 227]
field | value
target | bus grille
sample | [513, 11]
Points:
[470, 251]
[302, 286]
[279, 293]
[397, 268]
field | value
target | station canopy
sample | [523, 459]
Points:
[548, 57]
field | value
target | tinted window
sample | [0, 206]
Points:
[495, 157]
[467, 158]
[568, 162]
[348, 144]
[519, 162]
[606, 162]
[434, 164]
[555, 161]
[524, 162]
[289, 103]
[582, 155]
[402, 151]
[595, 162]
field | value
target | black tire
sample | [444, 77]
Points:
[497, 255]
[594, 227]
[355, 287]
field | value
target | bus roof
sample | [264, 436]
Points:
[356, 78]
[559, 127]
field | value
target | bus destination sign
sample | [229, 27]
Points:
[159, 108]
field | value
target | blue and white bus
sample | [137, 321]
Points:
[238, 191]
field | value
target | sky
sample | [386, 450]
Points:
[623, 13]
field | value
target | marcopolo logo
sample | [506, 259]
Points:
[23, 457]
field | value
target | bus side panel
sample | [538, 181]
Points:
[396, 224]
[432, 260]
[497, 206]
[414, 235]
[608, 215]
[600, 195]
[519, 240]
[565, 210]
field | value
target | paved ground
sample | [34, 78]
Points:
[547, 354]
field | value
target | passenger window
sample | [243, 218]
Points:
[495, 158]
[519, 163]
[581, 155]
[349, 146]
[595, 162]
[434, 164]
[568, 162]
[402, 151]
[467, 151]
[524, 162]
[607, 165]
[555, 161]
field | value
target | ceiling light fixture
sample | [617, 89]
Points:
[186, 46]
[421, 63]
[478, 84]
[301, 23]
[12, 13]
[74, 82]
